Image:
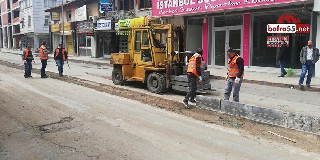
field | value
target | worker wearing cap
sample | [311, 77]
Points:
[194, 73]
[60, 55]
[235, 75]
[27, 58]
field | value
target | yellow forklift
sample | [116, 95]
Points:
[150, 57]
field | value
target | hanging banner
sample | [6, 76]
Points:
[81, 13]
[178, 7]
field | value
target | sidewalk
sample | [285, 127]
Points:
[267, 75]
[262, 74]
[87, 59]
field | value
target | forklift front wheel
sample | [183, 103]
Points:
[156, 83]
[117, 77]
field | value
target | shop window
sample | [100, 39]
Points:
[265, 55]
[194, 34]
[145, 4]
[137, 42]
[46, 20]
[126, 5]
[68, 14]
[228, 21]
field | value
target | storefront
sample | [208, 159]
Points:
[55, 34]
[241, 25]
[106, 38]
[225, 31]
[68, 33]
[263, 53]
[84, 35]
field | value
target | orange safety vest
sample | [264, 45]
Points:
[233, 69]
[42, 55]
[192, 65]
[63, 51]
[26, 53]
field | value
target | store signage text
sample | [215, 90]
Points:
[124, 23]
[55, 28]
[275, 41]
[55, 16]
[288, 28]
[105, 5]
[176, 7]
[104, 24]
[67, 26]
[81, 13]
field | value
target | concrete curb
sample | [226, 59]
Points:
[275, 117]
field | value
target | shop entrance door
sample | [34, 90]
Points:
[224, 38]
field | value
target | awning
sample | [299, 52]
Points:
[17, 35]
[66, 33]
[104, 30]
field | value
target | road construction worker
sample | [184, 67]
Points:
[60, 55]
[27, 58]
[44, 59]
[235, 75]
[193, 73]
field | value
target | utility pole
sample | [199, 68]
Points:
[62, 25]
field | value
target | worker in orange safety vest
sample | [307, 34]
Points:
[193, 73]
[60, 55]
[235, 75]
[43, 50]
[27, 58]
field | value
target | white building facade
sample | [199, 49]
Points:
[35, 22]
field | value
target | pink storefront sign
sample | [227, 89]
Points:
[178, 7]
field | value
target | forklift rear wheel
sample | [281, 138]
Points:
[156, 83]
[117, 77]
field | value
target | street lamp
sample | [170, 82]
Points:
[62, 25]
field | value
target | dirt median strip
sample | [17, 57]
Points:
[307, 141]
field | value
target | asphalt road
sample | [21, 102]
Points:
[51, 119]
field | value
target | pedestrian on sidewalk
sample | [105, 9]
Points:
[309, 55]
[193, 73]
[27, 58]
[44, 59]
[281, 57]
[60, 55]
[235, 75]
